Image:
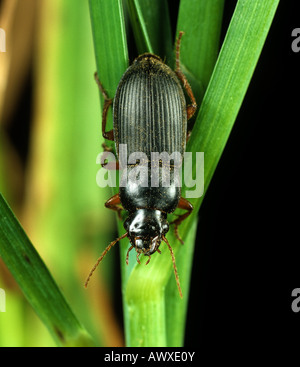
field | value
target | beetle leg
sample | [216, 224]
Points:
[186, 205]
[148, 260]
[108, 165]
[106, 148]
[188, 133]
[137, 257]
[114, 203]
[127, 255]
[111, 165]
[109, 135]
[102, 90]
[191, 108]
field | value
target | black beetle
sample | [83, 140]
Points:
[150, 115]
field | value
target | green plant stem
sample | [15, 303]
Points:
[109, 42]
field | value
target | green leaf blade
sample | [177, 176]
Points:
[201, 22]
[109, 41]
[150, 20]
[36, 282]
[230, 80]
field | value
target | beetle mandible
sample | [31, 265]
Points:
[149, 115]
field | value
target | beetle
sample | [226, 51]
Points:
[150, 114]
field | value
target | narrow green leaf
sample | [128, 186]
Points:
[37, 283]
[110, 46]
[238, 57]
[150, 20]
[201, 22]
[111, 57]
[112, 60]
[240, 52]
[109, 42]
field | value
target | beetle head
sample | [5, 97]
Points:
[145, 230]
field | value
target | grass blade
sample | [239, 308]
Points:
[150, 20]
[112, 60]
[36, 282]
[236, 63]
[238, 57]
[109, 42]
[201, 22]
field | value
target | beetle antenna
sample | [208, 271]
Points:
[174, 266]
[102, 256]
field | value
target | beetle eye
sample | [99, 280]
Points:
[165, 227]
[126, 224]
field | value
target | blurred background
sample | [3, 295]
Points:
[49, 140]
[50, 136]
